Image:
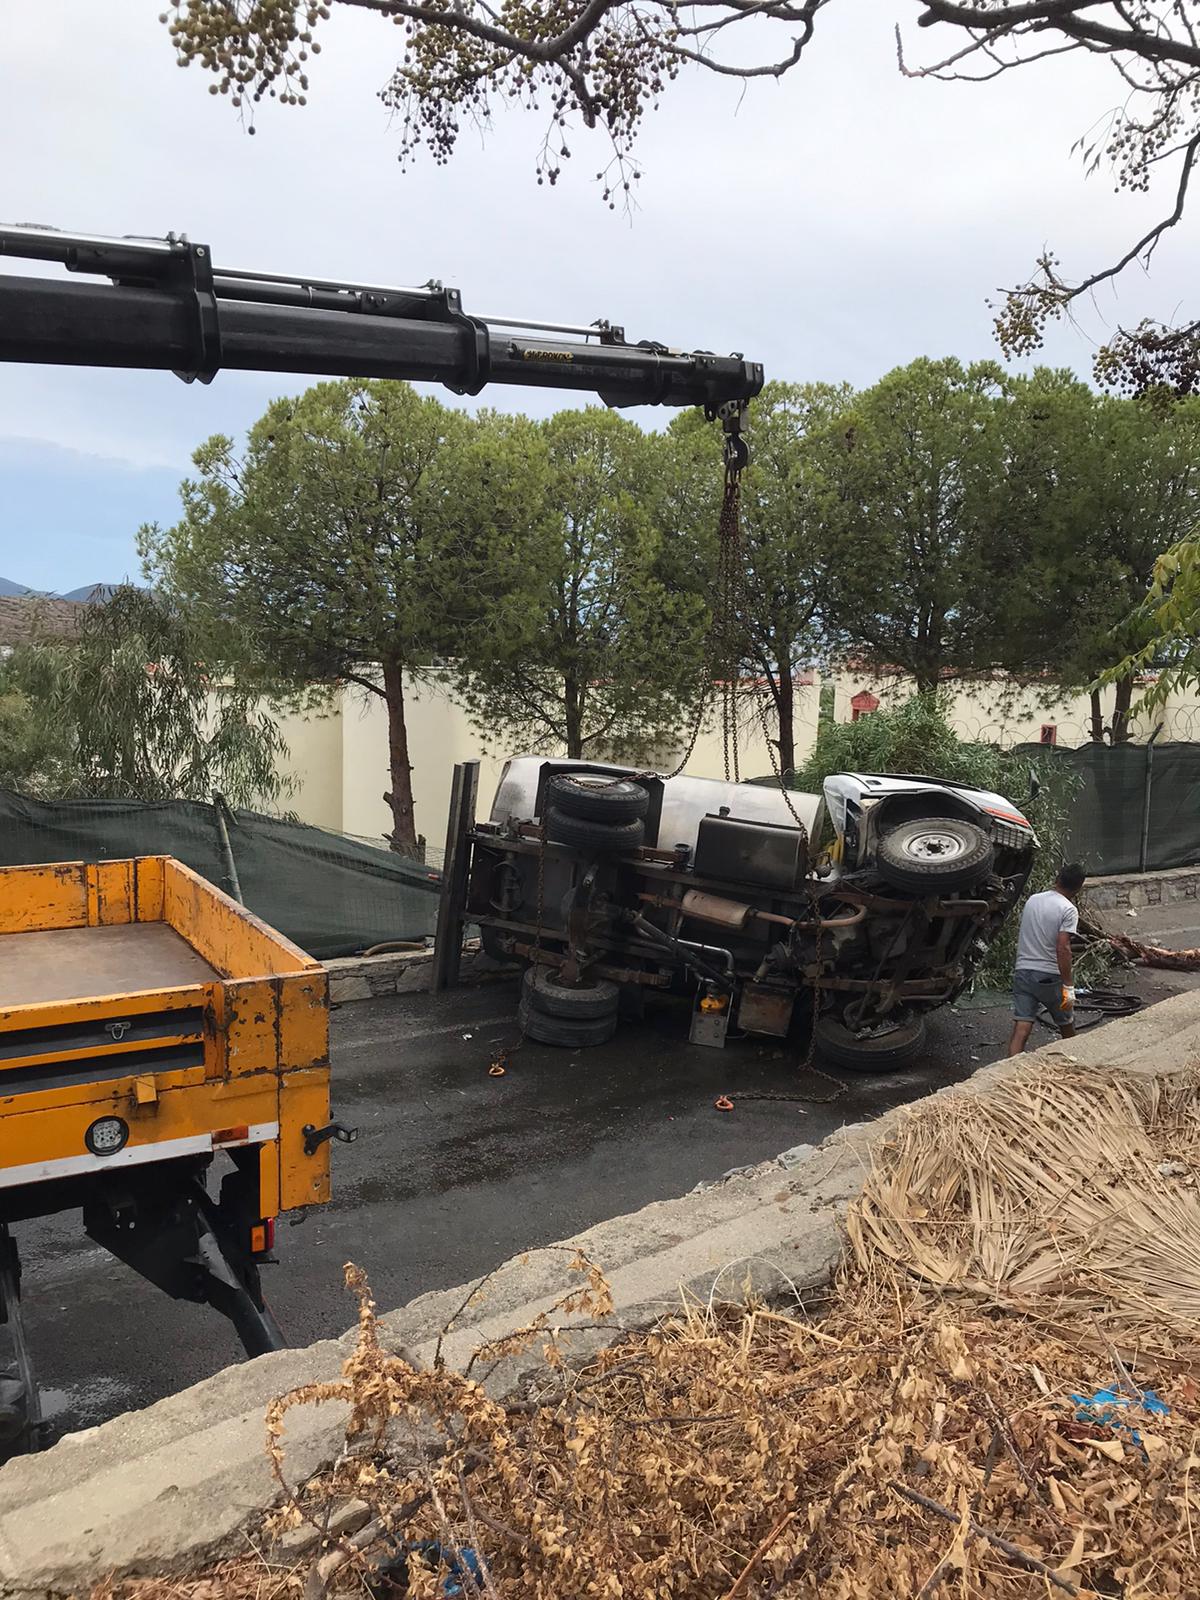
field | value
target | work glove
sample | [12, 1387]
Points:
[1068, 997]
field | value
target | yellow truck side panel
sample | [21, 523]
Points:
[303, 1101]
[180, 1122]
[225, 933]
[148, 888]
[111, 900]
[118, 1047]
[251, 1027]
[37, 898]
[70, 894]
[106, 1096]
[304, 1020]
[260, 1039]
[52, 1013]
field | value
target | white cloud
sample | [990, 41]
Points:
[831, 225]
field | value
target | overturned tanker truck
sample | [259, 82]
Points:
[613, 885]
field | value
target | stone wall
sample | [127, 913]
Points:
[1134, 890]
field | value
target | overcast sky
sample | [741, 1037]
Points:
[833, 225]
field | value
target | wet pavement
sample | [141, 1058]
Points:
[454, 1170]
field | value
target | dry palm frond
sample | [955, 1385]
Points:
[906, 1440]
[1058, 1187]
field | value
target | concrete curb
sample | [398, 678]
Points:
[1134, 890]
[178, 1481]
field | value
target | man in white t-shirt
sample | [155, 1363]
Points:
[1043, 975]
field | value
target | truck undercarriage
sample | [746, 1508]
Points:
[607, 881]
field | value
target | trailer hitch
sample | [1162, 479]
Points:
[315, 1137]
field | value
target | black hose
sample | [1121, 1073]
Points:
[1112, 1002]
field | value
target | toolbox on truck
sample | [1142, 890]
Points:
[149, 1023]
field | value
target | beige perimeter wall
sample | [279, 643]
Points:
[338, 761]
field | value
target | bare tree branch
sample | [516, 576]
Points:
[605, 63]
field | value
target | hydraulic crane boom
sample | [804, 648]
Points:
[167, 307]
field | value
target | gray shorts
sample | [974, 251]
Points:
[1034, 990]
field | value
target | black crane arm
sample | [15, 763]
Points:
[167, 307]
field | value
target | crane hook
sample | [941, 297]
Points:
[732, 415]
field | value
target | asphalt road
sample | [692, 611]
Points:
[454, 1170]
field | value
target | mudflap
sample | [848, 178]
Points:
[171, 1232]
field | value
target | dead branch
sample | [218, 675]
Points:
[742, 1580]
[1005, 1546]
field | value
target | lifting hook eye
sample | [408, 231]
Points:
[737, 452]
[732, 415]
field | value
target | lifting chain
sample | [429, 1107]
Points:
[721, 638]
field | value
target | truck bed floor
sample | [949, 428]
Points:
[82, 963]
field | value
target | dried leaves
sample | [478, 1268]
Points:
[920, 1440]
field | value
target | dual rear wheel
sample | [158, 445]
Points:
[575, 1016]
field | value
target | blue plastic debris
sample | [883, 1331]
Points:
[1105, 1408]
[459, 1563]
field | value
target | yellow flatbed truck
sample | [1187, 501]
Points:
[150, 1025]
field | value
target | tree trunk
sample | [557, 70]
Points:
[404, 833]
[786, 702]
[926, 667]
[573, 718]
[1121, 731]
[1097, 717]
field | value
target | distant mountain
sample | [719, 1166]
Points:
[91, 593]
[86, 594]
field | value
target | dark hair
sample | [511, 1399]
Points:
[1071, 876]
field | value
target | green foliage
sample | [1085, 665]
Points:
[36, 751]
[1170, 617]
[1161, 633]
[607, 658]
[910, 476]
[916, 738]
[364, 532]
[1149, 478]
[130, 709]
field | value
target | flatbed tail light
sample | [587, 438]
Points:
[235, 1135]
[107, 1135]
[262, 1236]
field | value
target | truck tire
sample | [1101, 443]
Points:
[931, 854]
[594, 838]
[882, 1052]
[596, 799]
[576, 1033]
[542, 991]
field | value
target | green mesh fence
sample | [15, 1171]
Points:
[1129, 789]
[331, 895]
